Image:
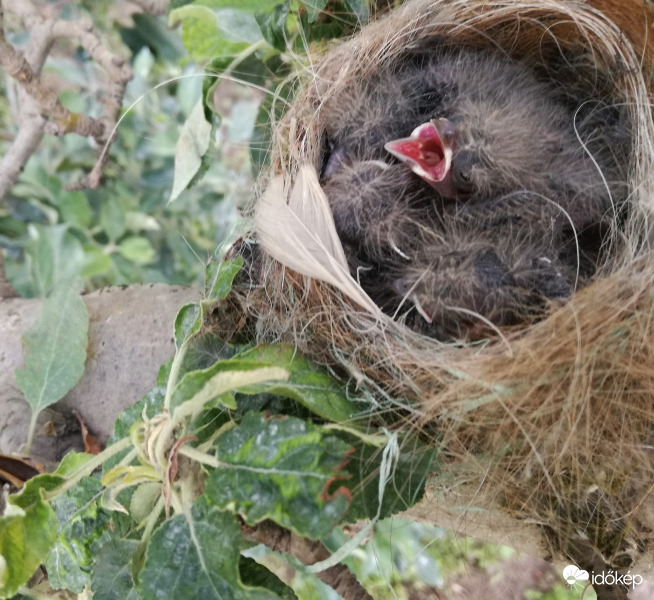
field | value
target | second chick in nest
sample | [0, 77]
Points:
[494, 268]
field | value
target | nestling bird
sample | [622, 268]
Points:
[380, 209]
[476, 123]
[499, 129]
[497, 267]
[463, 184]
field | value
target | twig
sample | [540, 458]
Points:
[119, 74]
[40, 110]
[17, 67]
[31, 127]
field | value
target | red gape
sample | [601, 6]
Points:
[428, 151]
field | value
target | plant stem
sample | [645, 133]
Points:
[201, 457]
[174, 373]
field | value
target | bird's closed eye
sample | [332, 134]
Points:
[463, 176]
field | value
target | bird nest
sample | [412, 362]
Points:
[555, 415]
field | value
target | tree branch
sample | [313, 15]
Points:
[39, 109]
[17, 67]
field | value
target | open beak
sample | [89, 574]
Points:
[428, 150]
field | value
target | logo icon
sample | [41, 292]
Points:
[573, 575]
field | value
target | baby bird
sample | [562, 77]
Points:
[468, 190]
[503, 129]
[475, 123]
[498, 268]
[380, 210]
[462, 294]
[361, 118]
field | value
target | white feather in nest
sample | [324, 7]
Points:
[301, 234]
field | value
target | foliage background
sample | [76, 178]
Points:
[126, 231]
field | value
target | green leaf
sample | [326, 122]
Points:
[195, 556]
[111, 578]
[137, 221]
[55, 349]
[96, 262]
[27, 531]
[208, 422]
[249, 70]
[253, 6]
[218, 381]
[75, 209]
[360, 9]
[273, 26]
[31, 492]
[137, 249]
[202, 35]
[154, 34]
[256, 575]
[187, 323]
[281, 469]
[405, 488]
[208, 160]
[243, 119]
[239, 26]
[206, 350]
[54, 256]
[314, 8]
[188, 91]
[71, 462]
[331, 29]
[143, 499]
[307, 384]
[21, 597]
[194, 141]
[220, 277]
[112, 219]
[82, 531]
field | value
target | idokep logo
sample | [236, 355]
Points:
[574, 576]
